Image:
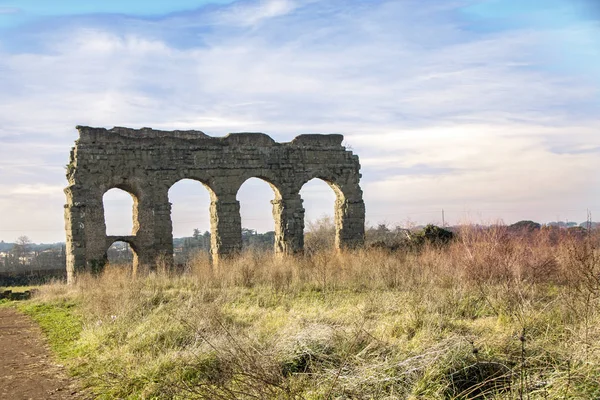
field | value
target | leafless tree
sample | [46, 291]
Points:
[21, 248]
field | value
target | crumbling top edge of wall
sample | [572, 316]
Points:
[331, 140]
[148, 133]
[94, 134]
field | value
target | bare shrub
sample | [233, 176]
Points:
[319, 235]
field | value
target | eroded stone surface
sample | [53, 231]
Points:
[147, 162]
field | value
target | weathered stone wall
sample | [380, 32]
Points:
[147, 162]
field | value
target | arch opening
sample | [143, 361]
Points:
[256, 196]
[190, 201]
[120, 212]
[121, 253]
[320, 199]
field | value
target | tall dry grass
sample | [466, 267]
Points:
[494, 313]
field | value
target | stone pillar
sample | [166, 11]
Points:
[153, 228]
[288, 214]
[75, 231]
[86, 231]
[226, 227]
[95, 234]
[162, 238]
[349, 223]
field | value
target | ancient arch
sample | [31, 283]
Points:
[123, 239]
[276, 193]
[147, 162]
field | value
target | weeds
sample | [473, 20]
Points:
[490, 314]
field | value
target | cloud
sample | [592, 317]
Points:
[438, 114]
[253, 13]
[360, 76]
[514, 176]
[9, 10]
[132, 7]
[34, 190]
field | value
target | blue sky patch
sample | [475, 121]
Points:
[14, 13]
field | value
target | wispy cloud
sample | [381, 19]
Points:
[9, 10]
[131, 7]
[35, 190]
[436, 111]
[253, 13]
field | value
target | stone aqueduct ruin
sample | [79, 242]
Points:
[147, 162]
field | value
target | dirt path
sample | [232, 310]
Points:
[27, 371]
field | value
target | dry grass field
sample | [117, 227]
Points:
[492, 314]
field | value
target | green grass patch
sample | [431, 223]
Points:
[59, 322]
[18, 289]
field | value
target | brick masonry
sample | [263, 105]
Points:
[147, 162]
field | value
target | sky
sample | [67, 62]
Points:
[487, 109]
